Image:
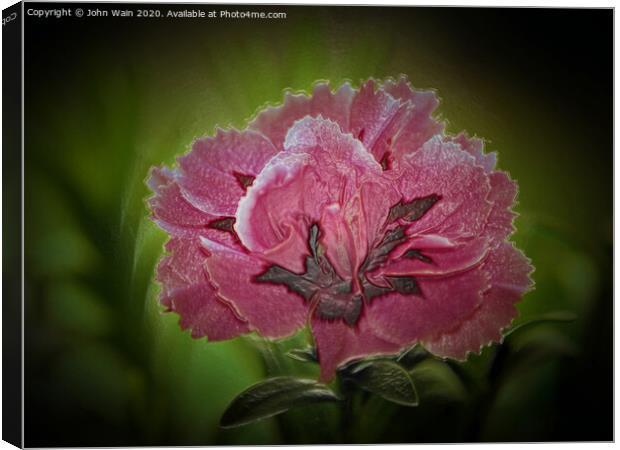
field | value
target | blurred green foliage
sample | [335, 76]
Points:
[105, 366]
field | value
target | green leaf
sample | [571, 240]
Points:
[437, 381]
[307, 354]
[556, 316]
[385, 378]
[540, 346]
[274, 396]
[412, 356]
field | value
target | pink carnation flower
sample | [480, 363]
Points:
[351, 212]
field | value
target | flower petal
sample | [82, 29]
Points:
[415, 126]
[212, 173]
[443, 169]
[503, 195]
[338, 343]
[274, 217]
[412, 259]
[183, 265]
[402, 90]
[270, 309]
[357, 193]
[205, 314]
[176, 215]
[444, 301]
[358, 196]
[274, 122]
[325, 177]
[185, 290]
[329, 146]
[340, 245]
[510, 278]
[372, 112]
[475, 146]
[168, 205]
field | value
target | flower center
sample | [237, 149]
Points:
[333, 297]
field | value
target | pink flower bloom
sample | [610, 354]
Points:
[351, 211]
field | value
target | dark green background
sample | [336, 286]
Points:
[108, 98]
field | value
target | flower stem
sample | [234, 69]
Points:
[346, 410]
